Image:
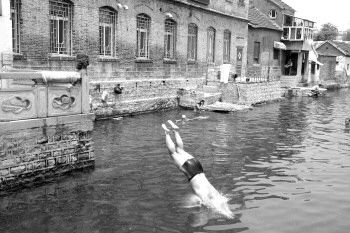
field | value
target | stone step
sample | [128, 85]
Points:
[190, 99]
[210, 89]
[226, 107]
[211, 98]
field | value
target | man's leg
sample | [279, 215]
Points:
[179, 158]
[178, 140]
[169, 142]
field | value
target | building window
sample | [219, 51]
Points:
[61, 21]
[276, 54]
[256, 52]
[16, 25]
[170, 39]
[227, 46]
[211, 45]
[192, 42]
[143, 32]
[241, 3]
[107, 30]
[273, 14]
[348, 66]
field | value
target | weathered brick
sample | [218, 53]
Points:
[18, 170]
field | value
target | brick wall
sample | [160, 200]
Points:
[327, 71]
[139, 96]
[33, 150]
[267, 67]
[252, 93]
[290, 81]
[36, 37]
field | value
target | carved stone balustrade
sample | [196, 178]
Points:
[45, 127]
[29, 95]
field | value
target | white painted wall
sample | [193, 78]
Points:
[5, 32]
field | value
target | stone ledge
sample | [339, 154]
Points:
[40, 177]
[83, 119]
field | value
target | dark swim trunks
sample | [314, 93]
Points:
[192, 167]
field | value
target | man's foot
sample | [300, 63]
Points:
[172, 124]
[165, 128]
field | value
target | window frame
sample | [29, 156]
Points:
[271, 14]
[276, 54]
[170, 39]
[211, 42]
[227, 47]
[192, 42]
[143, 36]
[56, 34]
[256, 53]
[16, 18]
[111, 15]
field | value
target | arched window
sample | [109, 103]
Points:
[192, 42]
[273, 14]
[16, 25]
[107, 30]
[61, 23]
[227, 46]
[143, 32]
[170, 39]
[211, 45]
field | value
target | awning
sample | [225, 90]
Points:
[312, 59]
[279, 45]
[318, 63]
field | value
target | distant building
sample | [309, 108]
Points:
[264, 46]
[335, 55]
[297, 36]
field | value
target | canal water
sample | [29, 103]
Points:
[285, 167]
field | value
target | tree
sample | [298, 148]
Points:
[346, 35]
[328, 32]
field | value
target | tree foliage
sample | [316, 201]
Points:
[328, 32]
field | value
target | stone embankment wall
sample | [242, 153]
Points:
[45, 128]
[290, 81]
[138, 96]
[32, 151]
[253, 93]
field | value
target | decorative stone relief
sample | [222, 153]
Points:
[64, 102]
[16, 105]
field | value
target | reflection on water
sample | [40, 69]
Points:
[284, 167]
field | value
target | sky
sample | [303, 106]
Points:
[336, 12]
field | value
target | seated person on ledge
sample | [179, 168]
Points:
[199, 106]
[194, 172]
[347, 123]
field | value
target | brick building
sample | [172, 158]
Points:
[297, 36]
[335, 57]
[264, 47]
[132, 43]
[124, 37]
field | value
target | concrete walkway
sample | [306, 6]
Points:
[225, 107]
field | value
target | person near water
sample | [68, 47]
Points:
[194, 172]
[184, 118]
[347, 123]
[199, 106]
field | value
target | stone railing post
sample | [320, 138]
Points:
[85, 82]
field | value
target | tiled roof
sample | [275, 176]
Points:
[344, 47]
[283, 5]
[257, 19]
